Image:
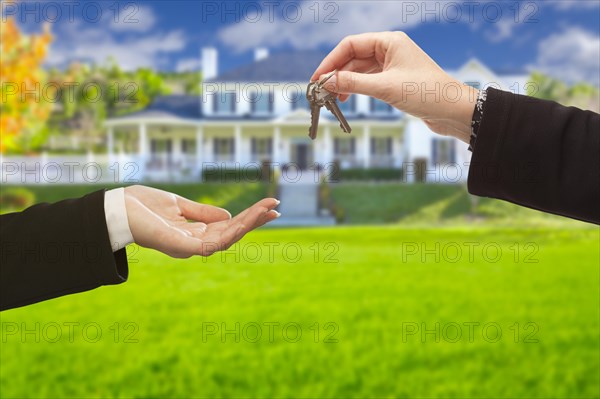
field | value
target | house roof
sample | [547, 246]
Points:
[297, 66]
[170, 107]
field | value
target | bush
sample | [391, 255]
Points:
[16, 198]
[237, 175]
[371, 174]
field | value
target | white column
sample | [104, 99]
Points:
[366, 145]
[238, 144]
[110, 142]
[199, 148]
[276, 144]
[142, 140]
[327, 147]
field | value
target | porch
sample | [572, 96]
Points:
[181, 151]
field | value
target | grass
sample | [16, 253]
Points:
[370, 282]
[433, 204]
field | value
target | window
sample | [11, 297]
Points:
[188, 146]
[349, 107]
[160, 146]
[442, 151]
[300, 102]
[344, 146]
[261, 102]
[262, 147]
[381, 146]
[223, 149]
[474, 84]
[380, 107]
[160, 150]
[224, 103]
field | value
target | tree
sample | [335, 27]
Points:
[23, 107]
[581, 95]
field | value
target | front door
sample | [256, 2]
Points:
[302, 155]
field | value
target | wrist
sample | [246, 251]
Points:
[460, 113]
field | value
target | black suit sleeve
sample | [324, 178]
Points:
[539, 154]
[50, 250]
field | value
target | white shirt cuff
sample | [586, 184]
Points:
[116, 219]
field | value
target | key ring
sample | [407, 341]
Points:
[326, 78]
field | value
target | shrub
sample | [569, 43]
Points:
[371, 174]
[16, 198]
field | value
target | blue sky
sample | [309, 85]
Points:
[559, 37]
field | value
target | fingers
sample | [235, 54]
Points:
[257, 215]
[346, 82]
[369, 65]
[362, 46]
[201, 212]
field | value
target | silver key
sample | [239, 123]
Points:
[318, 97]
[332, 106]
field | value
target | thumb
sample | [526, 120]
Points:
[347, 82]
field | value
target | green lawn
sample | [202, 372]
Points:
[432, 204]
[370, 283]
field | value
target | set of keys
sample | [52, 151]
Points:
[318, 97]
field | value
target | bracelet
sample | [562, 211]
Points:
[477, 117]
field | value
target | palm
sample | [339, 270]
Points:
[182, 228]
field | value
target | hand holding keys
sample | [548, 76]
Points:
[318, 96]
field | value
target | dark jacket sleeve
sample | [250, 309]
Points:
[50, 250]
[539, 154]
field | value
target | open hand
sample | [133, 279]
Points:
[159, 220]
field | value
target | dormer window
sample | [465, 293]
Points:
[380, 107]
[224, 103]
[261, 102]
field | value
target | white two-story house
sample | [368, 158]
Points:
[259, 112]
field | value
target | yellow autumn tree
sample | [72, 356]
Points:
[24, 108]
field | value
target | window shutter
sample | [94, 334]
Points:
[389, 146]
[233, 99]
[253, 103]
[232, 141]
[271, 101]
[352, 146]
[215, 146]
[270, 145]
[372, 105]
[434, 148]
[215, 102]
[452, 152]
[373, 144]
[253, 141]
[336, 146]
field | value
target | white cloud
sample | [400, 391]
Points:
[129, 46]
[188, 64]
[131, 17]
[572, 55]
[311, 29]
[503, 29]
[573, 4]
[93, 43]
